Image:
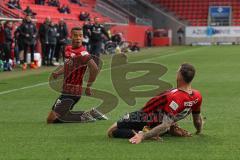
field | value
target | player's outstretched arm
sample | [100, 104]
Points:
[155, 132]
[198, 123]
[93, 71]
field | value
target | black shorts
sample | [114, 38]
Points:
[132, 121]
[65, 103]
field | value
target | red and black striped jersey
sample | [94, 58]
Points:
[175, 103]
[74, 69]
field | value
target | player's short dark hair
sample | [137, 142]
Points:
[187, 71]
[76, 29]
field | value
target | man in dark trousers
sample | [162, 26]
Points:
[42, 35]
[8, 40]
[96, 39]
[29, 31]
[76, 63]
[18, 47]
[149, 36]
[61, 40]
[51, 41]
[180, 33]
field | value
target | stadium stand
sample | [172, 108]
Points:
[196, 12]
[43, 11]
[9, 12]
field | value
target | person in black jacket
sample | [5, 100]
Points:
[86, 34]
[180, 33]
[51, 41]
[29, 31]
[96, 39]
[149, 37]
[61, 40]
[19, 45]
[8, 40]
[42, 35]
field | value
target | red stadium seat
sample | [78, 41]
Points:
[196, 11]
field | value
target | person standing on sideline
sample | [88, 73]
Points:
[42, 33]
[149, 36]
[180, 33]
[51, 41]
[8, 40]
[29, 31]
[96, 39]
[61, 40]
[86, 34]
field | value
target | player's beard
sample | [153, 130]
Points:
[77, 44]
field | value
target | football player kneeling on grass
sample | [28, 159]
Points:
[76, 63]
[160, 114]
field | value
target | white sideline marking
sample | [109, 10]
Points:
[45, 83]
[22, 88]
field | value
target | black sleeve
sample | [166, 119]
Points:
[41, 30]
[46, 35]
[16, 32]
[34, 30]
[22, 30]
[66, 31]
[8, 35]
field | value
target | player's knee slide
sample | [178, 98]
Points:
[63, 106]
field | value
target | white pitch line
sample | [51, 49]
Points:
[27, 87]
[45, 83]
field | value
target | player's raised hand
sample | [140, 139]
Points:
[137, 138]
[88, 91]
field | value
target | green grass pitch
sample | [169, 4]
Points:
[24, 134]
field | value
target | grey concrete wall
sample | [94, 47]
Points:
[111, 12]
